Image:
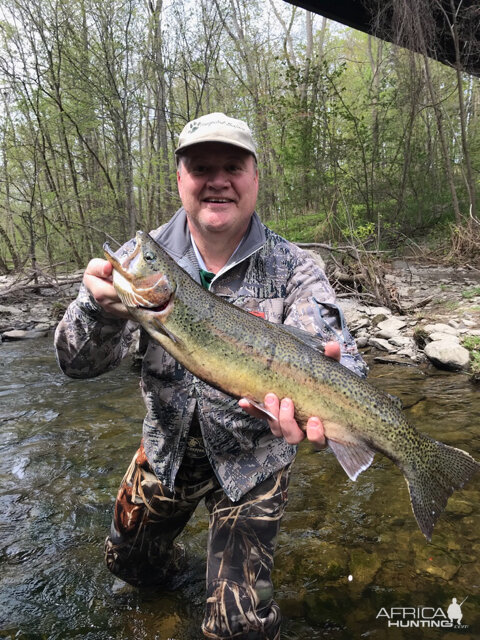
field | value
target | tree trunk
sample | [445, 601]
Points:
[443, 140]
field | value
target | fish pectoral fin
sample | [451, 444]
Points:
[163, 329]
[261, 407]
[353, 457]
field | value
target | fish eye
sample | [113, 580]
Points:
[149, 256]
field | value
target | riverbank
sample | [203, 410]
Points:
[443, 317]
[28, 311]
[443, 314]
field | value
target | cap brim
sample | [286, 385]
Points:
[228, 141]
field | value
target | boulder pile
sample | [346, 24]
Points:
[404, 339]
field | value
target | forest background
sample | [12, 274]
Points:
[359, 140]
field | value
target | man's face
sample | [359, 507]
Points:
[218, 186]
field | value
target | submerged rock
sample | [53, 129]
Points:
[458, 507]
[20, 334]
[363, 567]
[440, 564]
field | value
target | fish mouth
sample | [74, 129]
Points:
[154, 296]
[159, 309]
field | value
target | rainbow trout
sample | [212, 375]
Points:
[246, 356]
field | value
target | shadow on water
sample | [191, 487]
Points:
[350, 556]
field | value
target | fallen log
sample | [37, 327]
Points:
[31, 286]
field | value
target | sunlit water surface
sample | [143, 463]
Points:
[348, 552]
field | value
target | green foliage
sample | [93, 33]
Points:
[300, 228]
[472, 343]
[475, 365]
[468, 294]
[94, 94]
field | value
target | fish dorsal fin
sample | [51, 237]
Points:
[307, 338]
[354, 458]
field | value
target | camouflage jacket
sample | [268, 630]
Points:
[267, 275]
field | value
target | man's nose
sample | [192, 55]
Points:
[218, 178]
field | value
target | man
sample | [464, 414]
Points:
[454, 611]
[198, 443]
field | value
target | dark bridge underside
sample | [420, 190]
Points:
[386, 19]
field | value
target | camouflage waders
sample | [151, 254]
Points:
[148, 517]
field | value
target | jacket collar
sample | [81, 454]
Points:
[174, 237]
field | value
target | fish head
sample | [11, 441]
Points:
[140, 277]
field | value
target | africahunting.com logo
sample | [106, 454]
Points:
[424, 617]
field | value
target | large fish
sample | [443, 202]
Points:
[246, 356]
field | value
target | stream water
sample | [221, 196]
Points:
[351, 562]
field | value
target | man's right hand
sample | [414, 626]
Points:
[285, 424]
[98, 280]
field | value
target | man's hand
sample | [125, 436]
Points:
[98, 280]
[285, 425]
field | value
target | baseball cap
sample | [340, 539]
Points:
[216, 127]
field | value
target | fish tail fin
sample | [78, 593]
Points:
[437, 472]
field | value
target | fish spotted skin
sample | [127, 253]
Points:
[246, 356]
